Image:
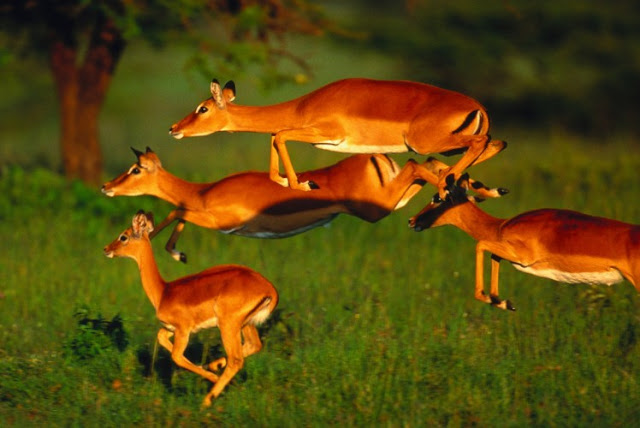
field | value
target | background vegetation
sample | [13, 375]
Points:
[377, 324]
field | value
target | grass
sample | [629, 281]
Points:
[376, 325]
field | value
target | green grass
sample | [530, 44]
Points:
[376, 325]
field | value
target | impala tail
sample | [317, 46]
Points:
[262, 311]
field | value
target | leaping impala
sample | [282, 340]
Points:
[250, 204]
[562, 245]
[233, 298]
[355, 116]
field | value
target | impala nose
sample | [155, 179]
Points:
[175, 134]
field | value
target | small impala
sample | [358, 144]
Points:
[233, 298]
[250, 204]
[562, 245]
[355, 116]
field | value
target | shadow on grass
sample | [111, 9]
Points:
[198, 352]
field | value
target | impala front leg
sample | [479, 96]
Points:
[281, 149]
[479, 293]
[274, 165]
[171, 243]
[495, 274]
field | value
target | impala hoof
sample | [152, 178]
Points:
[413, 225]
[502, 191]
[313, 185]
[178, 256]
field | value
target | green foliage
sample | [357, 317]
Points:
[226, 38]
[94, 337]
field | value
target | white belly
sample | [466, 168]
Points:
[607, 277]
[267, 234]
[213, 322]
[343, 146]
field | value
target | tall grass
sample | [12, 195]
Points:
[377, 324]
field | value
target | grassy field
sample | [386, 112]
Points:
[376, 325]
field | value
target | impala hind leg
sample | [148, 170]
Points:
[476, 145]
[232, 343]
[437, 167]
[252, 345]
[493, 148]
[495, 274]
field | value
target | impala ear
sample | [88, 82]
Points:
[142, 223]
[216, 93]
[149, 150]
[138, 153]
[229, 91]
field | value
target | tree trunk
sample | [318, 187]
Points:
[81, 91]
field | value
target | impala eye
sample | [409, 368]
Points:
[123, 238]
[135, 170]
[203, 109]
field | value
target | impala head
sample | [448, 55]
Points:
[129, 241]
[433, 214]
[210, 116]
[139, 179]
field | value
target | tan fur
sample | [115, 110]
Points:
[234, 298]
[354, 116]
[562, 245]
[250, 204]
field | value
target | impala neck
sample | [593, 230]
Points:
[475, 222]
[263, 119]
[152, 282]
[177, 191]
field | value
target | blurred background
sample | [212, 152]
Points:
[84, 80]
[377, 324]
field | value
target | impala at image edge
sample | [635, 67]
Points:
[561, 245]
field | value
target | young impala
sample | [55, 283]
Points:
[565, 246]
[250, 204]
[233, 298]
[355, 116]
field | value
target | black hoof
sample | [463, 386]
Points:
[450, 180]
[313, 185]
[502, 191]
[415, 227]
[510, 307]
[183, 258]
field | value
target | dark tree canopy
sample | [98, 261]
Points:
[83, 41]
[567, 64]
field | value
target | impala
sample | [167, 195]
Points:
[233, 298]
[250, 204]
[562, 245]
[355, 116]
